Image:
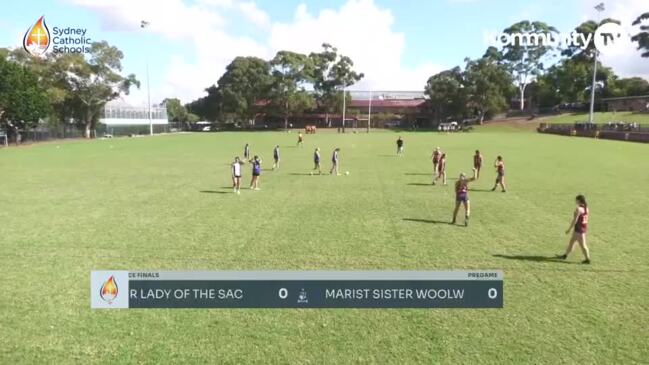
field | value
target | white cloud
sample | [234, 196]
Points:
[626, 61]
[359, 29]
[253, 14]
[362, 31]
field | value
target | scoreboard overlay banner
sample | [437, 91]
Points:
[296, 289]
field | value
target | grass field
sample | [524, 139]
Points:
[165, 203]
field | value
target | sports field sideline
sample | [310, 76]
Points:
[166, 203]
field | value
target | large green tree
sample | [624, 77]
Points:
[23, 101]
[642, 38]
[447, 94]
[246, 81]
[332, 73]
[487, 86]
[525, 55]
[291, 72]
[175, 110]
[94, 82]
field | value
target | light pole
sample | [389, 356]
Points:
[144, 24]
[344, 106]
[600, 8]
[369, 113]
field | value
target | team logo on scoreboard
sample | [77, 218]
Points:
[37, 38]
[109, 290]
[302, 298]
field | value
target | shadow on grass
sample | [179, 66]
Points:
[420, 184]
[481, 190]
[426, 221]
[217, 191]
[304, 174]
[418, 174]
[388, 156]
[535, 258]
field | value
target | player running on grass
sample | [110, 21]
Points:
[437, 154]
[316, 161]
[578, 226]
[500, 170]
[441, 170]
[477, 163]
[256, 172]
[276, 157]
[236, 175]
[334, 162]
[462, 197]
[399, 146]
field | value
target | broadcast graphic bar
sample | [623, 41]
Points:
[297, 289]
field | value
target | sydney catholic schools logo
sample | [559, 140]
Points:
[109, 290]
[37, 38]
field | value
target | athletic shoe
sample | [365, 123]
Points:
[257, 189]
[561, 257]
[238, 192]
[494, 189]
[453, 221]
[466, 221]
[587, 262]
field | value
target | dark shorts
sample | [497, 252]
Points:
[237, 176]
[463, 198]
[256, 173]
[580, 229]
[499, 178]
[477, 166]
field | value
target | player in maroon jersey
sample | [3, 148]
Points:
[437, 154]
[462, 197]
[578, 226]
[500, 170]
[441, 170]
[477, 163]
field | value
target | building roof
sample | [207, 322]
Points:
[389, 103]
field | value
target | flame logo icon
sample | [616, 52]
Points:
[37, 38]
[108, 291]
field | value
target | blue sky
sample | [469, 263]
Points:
[398, 44]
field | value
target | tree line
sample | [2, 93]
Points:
[60, 88]
[72, 89]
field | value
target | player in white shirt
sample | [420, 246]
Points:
[236, 175]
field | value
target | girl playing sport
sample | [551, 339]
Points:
[334, 162]
[578, 226]
[462, 197]
[276, 157]
[236, 175]
[256, 172]
[246, 152]
[437, 153]
[500, 170]
[441, 170]
[477, 163]
[316, 161]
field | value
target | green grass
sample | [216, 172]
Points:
[163, 203]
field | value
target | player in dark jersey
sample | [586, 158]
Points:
[437, 154]
[316, 161]
[462, 197]
[334, 162]
[276, 157]
[578, 226]
[441, 170]
[246, 152]
[477, 163]
[500, 171]
[256, 172]
[399, 146]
